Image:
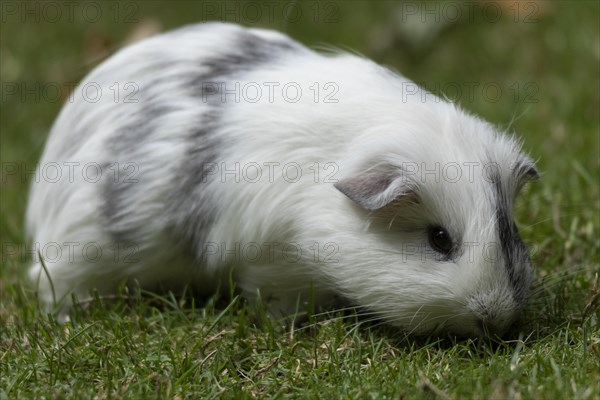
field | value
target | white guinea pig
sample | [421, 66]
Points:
[215, 153]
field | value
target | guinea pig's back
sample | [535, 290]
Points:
[142, 112]
[128, 147]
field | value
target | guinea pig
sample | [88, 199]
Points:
[216, 153]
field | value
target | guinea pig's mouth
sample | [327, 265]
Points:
[465, 324]
[466, 329]
[471, 326]
[470, 320]
[478, 326]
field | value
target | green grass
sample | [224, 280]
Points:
[183, 347]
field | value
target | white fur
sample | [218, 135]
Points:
[373, 125]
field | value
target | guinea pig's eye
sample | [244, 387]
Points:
[440, 240]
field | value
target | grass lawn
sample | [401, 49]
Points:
[532, 67]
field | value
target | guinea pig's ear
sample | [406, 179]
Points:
[375, 188]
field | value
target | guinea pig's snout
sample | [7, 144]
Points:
[494, 316]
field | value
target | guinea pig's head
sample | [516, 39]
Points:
[439, 250]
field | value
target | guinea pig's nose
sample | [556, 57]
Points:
[491, 316]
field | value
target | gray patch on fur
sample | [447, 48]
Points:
[255, 51]
[193, 210]
[514, 251]
[189, 211]
[126, 169]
